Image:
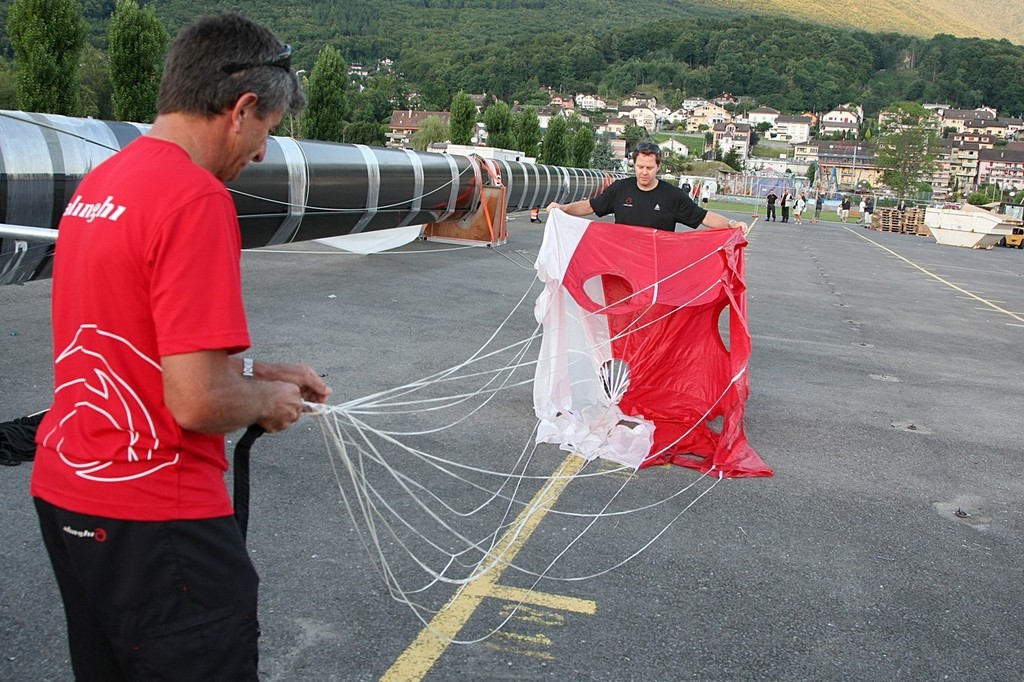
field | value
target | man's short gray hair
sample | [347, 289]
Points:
[218, 58]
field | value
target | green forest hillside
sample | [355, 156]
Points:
[873, 52]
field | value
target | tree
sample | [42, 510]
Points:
[8, 96]
[905, 146]
[431, 130]
[96, 90]
[499, 123]
[326, 93]
[137, 45]
[47, 37]
[812, 171]
[634, 135]
[604, 155]
[527, 132]
[556, 142]
[382, 95]
[463, 119]
[583, 147]
[732, 159]
[365, 132]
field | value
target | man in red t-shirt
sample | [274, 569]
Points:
[147, 318]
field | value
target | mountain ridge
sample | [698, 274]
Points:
[993, 19]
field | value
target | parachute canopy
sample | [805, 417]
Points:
[645, 348]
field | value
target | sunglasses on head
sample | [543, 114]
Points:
[648, 148]
[282, 61]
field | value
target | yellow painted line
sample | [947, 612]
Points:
[750, 228]
[951, 285]
[551, 601]
[534, 646]
[417, 660]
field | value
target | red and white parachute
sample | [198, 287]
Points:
[632, 365]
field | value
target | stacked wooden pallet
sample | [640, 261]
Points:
[909, 221]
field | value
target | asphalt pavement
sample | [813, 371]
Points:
[887, 388]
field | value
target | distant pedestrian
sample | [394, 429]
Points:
[798, 209]
[844, 207]
[819, 203]
[869, 210]
[863, 212]
[785, 202]
[770, 200]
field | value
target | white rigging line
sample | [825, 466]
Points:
[376, 508]
[350, 439]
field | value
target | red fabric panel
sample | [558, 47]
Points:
[666, 292]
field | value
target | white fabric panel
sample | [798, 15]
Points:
[569, 396]
[374, 241]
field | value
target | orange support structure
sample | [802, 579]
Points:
[486, 226]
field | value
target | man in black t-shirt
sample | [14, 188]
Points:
[770, 202]
[646, 201]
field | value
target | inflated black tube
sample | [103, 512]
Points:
[302, 190]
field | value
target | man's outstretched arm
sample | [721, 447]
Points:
[577, 208]
[717, 221]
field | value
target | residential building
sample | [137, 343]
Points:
[845, 120]
[640, 99]
[1001, 128]
[1003, 167]
[732, 136]
[405, 122]
[567, 103]
[957, 118]
[545, 114]
[706, 115]
[847, 163]
[618, 125]
[641, 116]
[479, 101]
[691, 103]
[619, 149]
[726, 98]
[761, 115]
[957, 163]
[590, 102]
[792, 129]
[889, 120]
[805, 152]
[678, 116]
[358, 70]
[675, 146]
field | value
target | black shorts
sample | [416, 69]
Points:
[148, 600]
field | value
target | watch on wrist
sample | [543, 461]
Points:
[247, 364]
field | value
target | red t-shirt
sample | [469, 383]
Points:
[146, 265]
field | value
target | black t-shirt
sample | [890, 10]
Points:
[660, 208]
